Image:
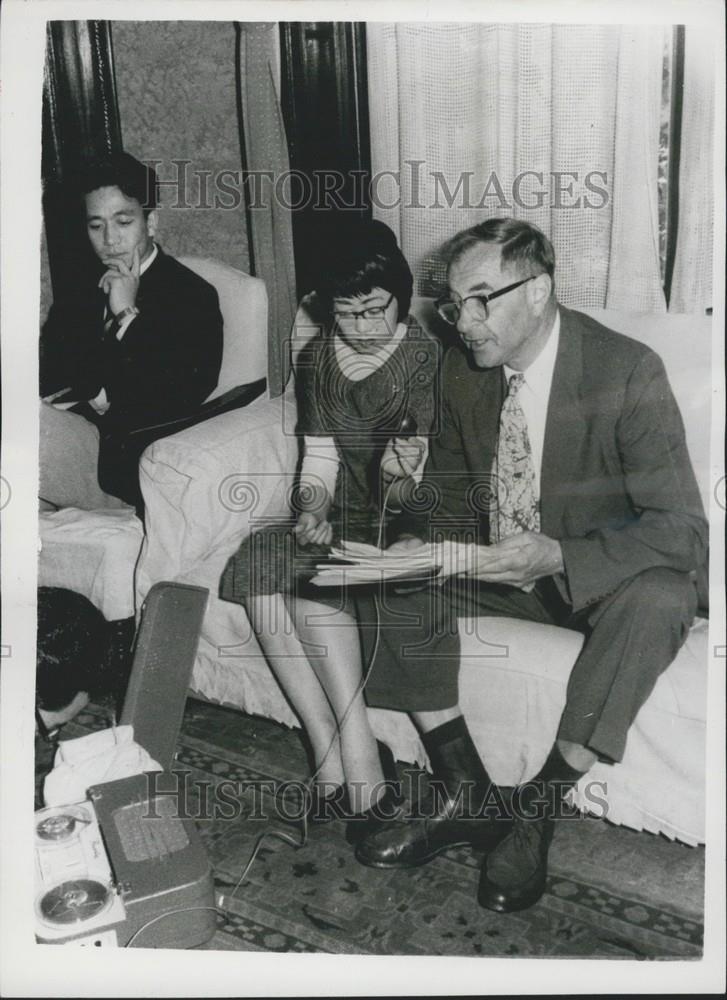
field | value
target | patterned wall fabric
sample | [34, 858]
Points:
[176, 93]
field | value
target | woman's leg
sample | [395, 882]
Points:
[331, 641]
[276, 633]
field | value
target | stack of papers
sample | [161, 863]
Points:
[354, 563]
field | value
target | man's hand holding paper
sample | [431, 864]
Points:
[519, 560]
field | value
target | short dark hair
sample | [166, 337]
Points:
[360, 256]
[122, 170]
[71, 648]
[522, 244]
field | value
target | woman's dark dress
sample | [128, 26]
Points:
[361, 416]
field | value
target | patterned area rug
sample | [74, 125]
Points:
[603, 897]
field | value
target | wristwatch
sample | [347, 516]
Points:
[125, 313]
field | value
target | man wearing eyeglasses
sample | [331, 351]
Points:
[595, 523]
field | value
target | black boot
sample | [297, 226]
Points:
[388, 764]
[361, 825]
[514, 875]
[449, 816]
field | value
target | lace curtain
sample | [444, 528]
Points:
[555, 124]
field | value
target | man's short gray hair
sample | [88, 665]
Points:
[521, 244]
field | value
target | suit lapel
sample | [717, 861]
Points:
[149, 279]
[565, 428]
[484, 415]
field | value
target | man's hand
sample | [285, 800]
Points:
[405, 544]
[519, 560]
[121, 283]
[402, 457]
[313, 528]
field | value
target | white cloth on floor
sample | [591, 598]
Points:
[93, 760]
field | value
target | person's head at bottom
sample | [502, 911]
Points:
[72, 638]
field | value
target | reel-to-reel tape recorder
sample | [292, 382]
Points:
[127, 866]
[74, 897]
[121, 869]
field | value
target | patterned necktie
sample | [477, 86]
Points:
[517, 487]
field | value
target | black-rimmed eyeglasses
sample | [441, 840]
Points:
[371, 313]
[450, 310]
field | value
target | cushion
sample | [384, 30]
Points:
[684, 343]
[244, 308]
[93, 553]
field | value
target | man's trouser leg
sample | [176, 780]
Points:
[631, 638]
[68, 459]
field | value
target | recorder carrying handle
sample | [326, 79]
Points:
[164, 653]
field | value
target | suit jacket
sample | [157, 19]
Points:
[617, 486]
[167, 362]
[164, 367]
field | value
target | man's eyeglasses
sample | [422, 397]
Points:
[450, 310]
[371, 313]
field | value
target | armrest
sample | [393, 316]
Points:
[206, 487]
[233, 399]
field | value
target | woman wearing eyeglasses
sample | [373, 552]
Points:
[365, 387]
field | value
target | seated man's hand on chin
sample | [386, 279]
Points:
[121, 283]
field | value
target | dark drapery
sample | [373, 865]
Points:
[80, 121]
[325, 103]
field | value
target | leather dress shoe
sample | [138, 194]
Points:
[409, 841]
[514, 875]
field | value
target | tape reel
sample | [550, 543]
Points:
[74, 902]
[61, 825]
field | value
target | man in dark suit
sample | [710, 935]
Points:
[594, 522]
[136, 344]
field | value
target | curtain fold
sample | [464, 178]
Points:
[691, 289]
[474, 121]
[266, 149]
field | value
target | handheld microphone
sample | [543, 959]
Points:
[407, 427]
